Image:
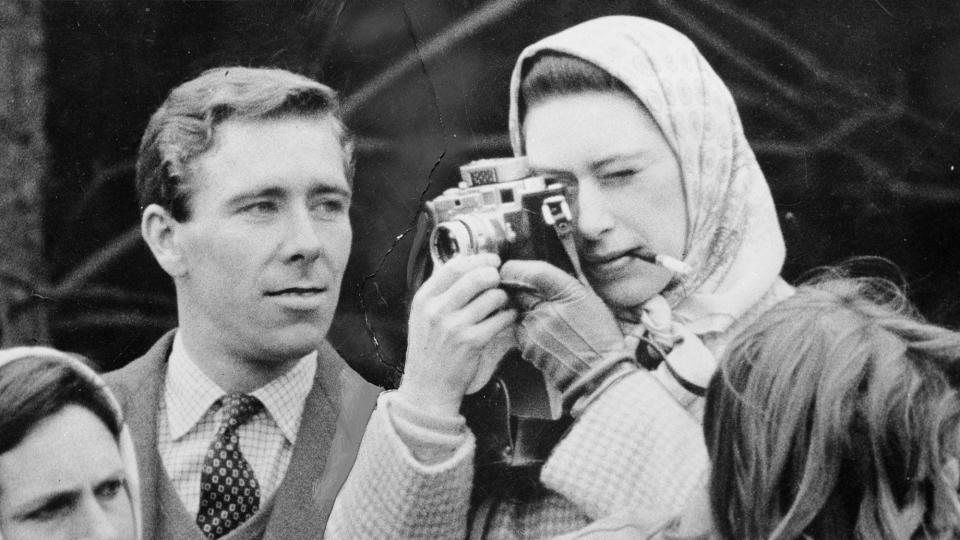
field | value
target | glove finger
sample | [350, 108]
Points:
[538, 278]
[523, 298]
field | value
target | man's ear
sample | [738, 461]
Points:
[162, 234]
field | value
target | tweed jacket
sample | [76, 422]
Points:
[334, 418]
[634, 449]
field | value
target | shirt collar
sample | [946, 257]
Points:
[285, 397]
[190, 393]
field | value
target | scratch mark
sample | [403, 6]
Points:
[412, 223]
[383, 301]
[423, 67]
[885, 10]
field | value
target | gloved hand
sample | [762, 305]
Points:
[565, 330]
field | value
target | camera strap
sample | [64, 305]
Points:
[556, 212]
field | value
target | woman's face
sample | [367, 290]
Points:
[65, 480]
[625, 183]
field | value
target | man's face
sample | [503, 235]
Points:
[264, 250]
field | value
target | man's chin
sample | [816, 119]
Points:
[293, 341]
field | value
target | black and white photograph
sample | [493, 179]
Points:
[498, 269]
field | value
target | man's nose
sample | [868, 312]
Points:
[302, 242]
[592, 211]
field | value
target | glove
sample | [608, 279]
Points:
[566, 330]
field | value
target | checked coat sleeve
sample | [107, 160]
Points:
[635, 448]
[392, 494]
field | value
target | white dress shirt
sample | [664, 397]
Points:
[188, 421]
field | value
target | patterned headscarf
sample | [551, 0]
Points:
[125, 442]
[733, 244]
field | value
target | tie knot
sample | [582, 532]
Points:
[238, 408]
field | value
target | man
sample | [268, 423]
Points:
[246, 421]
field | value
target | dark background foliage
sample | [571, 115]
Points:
[850, 106]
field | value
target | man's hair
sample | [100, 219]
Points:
[185, 125]
[832, 416]
[551, 74]
[35, 387]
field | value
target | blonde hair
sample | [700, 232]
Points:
[832, 416]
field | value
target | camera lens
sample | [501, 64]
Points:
[449, 239]
[474, 233]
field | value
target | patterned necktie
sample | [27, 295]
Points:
[229, 491]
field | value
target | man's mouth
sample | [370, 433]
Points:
[296, 291]
[304, 299]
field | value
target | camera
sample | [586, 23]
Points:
[500, 207]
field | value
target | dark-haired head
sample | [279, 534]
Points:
[552, 74]
[185, 125]
[37, 387]
[836, 415]
[67, 468]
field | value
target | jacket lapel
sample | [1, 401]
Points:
[334, 418]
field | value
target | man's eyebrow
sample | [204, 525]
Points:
[268, 192]
[327, 189]
[276, 192]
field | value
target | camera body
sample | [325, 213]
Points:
[500, 207]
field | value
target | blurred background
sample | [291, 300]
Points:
[850, 106]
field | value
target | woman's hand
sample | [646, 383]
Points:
[566, 330]
[454, 315]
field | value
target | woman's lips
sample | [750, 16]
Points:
[607, 266]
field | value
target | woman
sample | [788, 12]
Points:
[66, 461]
[835, 415]
[648, 139]
[627, 113]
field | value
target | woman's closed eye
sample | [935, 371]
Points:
[618, 175]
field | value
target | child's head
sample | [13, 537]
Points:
[836, 415]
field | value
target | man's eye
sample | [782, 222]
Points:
[332, 207]
[260, 207]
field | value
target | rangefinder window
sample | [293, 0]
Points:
[497, 208]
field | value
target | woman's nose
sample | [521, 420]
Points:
[593, 212]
